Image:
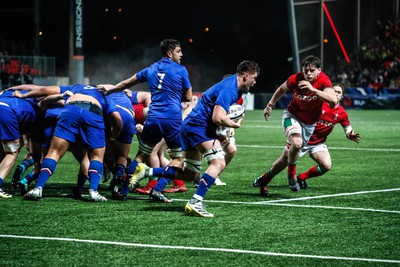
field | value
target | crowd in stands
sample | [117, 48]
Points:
[376, 64]
[13, 72]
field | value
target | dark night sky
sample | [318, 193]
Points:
[238, 30]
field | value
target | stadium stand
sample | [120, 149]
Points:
[19, 65]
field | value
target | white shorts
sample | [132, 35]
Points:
[291, 126]
[312, 149]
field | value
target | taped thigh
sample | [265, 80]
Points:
[10, 146]
[145, 148]
[216, 153]
[193, 165]
[176, 152]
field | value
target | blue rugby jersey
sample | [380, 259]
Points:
[168, 82]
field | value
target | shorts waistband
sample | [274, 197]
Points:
[87, 105]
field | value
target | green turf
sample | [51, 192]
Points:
[334, 226]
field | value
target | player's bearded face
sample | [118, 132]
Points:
[249, 80]
[311, 72]
[177, 55]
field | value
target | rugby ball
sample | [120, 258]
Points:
[235, 112]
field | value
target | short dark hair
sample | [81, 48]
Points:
[339, 85]
[168, 45]
[311, 60]
[248, 66]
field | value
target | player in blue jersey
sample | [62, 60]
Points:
[117, 149]
[200, 138]
[17, 117]
[40, 137]
[169, 85]
[33, 91]
[82, 119]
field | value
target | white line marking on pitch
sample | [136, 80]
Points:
[274, 202]
[200, 249]
[333, 148]
[334, 195]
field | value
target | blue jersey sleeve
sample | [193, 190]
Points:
[142, 75]
[228, 92]
[134, 99]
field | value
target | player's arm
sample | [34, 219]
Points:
[275, 98]
[327, 94]
[220, 118]
[39, 92]
[125, 84]
[57, 98]
[188, 109]
[144, 98]
[27, 87]
[187, 97]
[116, 125]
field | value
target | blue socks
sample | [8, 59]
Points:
[161, 184]
[206, 182]
[81, 182]
[28, 163]
[47, 170]
[95, 173]
[119, 171]
[168, 172]
[131, 168]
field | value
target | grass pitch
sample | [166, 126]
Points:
[348, 217]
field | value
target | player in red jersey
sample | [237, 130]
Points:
[311, 88]
[316, 146]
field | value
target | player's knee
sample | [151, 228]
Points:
[218, 164]
[231, 150]
[325, 167]
[297, 144]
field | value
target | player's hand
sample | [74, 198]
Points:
[139, 127]
[102, 89]
[267, 112]
[17, 94]
[223, 139]
[128, 93]
[240, 120]
[306, 85]
[67, 93]
[354, 137]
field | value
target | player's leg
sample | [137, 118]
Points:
[96, 156]
[215, 157]
[263, 180]
[10, 153]
[58, 148]
[324, 164]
